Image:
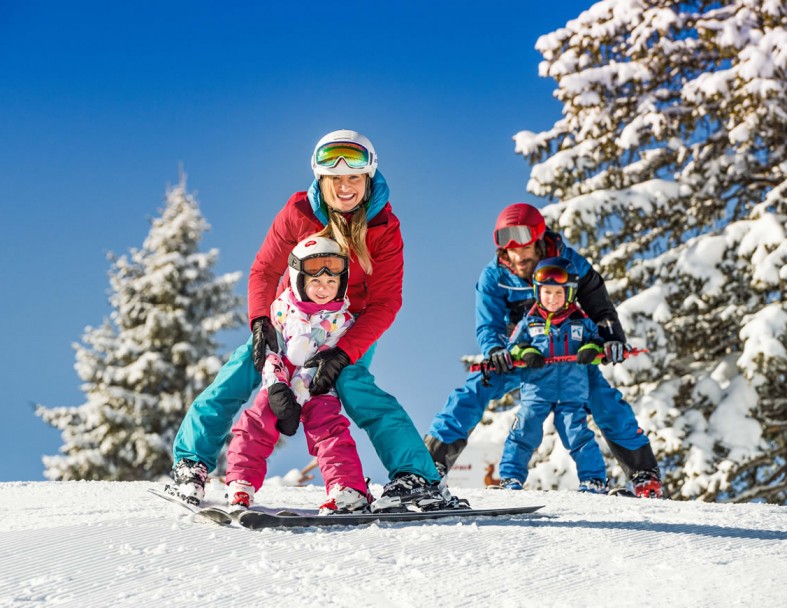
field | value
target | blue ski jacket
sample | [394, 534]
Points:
[555, 336]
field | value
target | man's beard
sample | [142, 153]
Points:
[524, 270]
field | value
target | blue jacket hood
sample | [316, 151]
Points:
[380, 194]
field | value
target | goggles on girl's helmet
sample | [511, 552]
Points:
[556, 271]
[318, 264]
[344, 152]
[314, 256]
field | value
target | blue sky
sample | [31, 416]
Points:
[101, 102]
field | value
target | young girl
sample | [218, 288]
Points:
[309, 316]
[554, 326]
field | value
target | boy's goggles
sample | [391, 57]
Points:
[551, 275]
[514, 236]
[316, 265]
[355, 155]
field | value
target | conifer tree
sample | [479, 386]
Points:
[668, 170]
[144, 365]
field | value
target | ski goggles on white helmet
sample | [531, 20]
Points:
[353, 154]
[315, 265]
[516, 236]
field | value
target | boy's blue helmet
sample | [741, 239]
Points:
[556, 271]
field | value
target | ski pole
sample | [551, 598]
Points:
[485, 366]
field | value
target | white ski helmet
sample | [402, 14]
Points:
[344, 152]
[314, 256]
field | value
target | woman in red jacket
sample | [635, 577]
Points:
[348, 202]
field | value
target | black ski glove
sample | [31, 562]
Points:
[615, 345]
[587, 354]
[285, 407]
[500, 360]
[533, 359]
[329, 364]
[614, 352]
[263, 339]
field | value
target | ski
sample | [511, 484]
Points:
[621, 492]
[173, 499]
[625, 492]
[256, 520]
[259, 517]
[217, 516]
[225, 517]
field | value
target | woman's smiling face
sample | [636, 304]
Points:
[349, 191]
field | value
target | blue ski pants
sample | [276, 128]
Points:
[571, 425]
[391, 431]
[465, 407]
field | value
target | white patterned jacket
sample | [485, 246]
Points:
[304, 328]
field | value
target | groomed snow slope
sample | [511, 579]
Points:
[114, 544]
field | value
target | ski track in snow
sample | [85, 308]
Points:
[114, 544]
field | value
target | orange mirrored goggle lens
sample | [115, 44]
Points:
[551, 274]
[334, 265]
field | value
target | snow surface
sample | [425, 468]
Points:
[94, 543]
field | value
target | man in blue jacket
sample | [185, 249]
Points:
[504, 293]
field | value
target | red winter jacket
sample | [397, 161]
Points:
[375, 299]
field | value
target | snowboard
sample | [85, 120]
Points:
[257, 520]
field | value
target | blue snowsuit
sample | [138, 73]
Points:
[559, 387]
[502, 298]
[397, 442]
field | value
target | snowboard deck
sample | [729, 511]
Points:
[256, 520]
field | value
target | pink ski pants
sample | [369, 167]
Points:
[327, 437]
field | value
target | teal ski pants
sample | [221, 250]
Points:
[397, 442]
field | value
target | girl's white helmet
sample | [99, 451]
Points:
[314, 256]
[344, 152]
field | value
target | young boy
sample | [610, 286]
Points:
[555, 326]
[309, 316]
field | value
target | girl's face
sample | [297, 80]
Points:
[348, 191]
[553, 297]
[321, 289]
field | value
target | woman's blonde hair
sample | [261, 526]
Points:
[351, 235]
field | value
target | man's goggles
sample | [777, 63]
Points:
[551, 275]
[514, 236]
[316, 265]
[355, 155]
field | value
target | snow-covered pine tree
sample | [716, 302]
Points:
[669, 166]
[143, 367]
